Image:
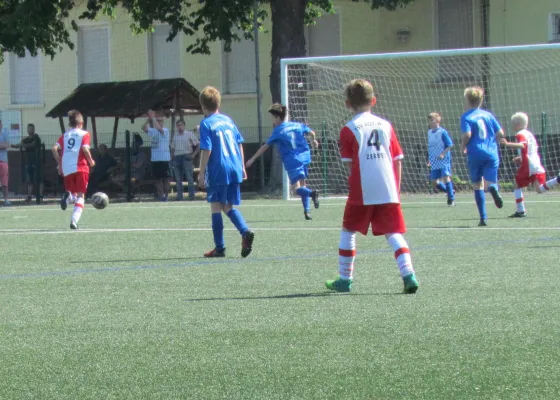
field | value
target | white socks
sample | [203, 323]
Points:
[346, 254]
[78, 209]
[402, 253]
[519, 203]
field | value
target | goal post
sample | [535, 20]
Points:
[409, 86]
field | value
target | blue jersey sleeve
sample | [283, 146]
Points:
[447, 142]
[205, 137]
[272, 139]
[465, 126]
[305, 129]
[238, 138]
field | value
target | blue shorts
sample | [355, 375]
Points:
[483, 168]
[436, 174]
[297, 174]
[224, 194]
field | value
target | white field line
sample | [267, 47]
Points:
[7, 232]
[134, 206]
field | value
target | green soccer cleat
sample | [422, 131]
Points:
[339, 285]
[410, 284]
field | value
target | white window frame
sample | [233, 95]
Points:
[94, 25]
[150, 52]
[224, 65]
[40, 102]
[338, 13]
[554, 25]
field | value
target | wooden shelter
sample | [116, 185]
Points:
[130, 100]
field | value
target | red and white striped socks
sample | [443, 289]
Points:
[346, 254]
[78, 209]
[519, 201]
[402, 253]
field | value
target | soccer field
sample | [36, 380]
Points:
[127, 308]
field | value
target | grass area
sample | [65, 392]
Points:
[126, 308]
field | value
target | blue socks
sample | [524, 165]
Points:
[441, 186]
[237, 220]
[305, 194]
[480, 199]
[449, 190]
[218, 230]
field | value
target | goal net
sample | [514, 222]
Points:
[408, 87]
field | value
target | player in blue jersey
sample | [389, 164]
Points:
[481, 135]
[222, 170]
[290, 139]
[439, 157]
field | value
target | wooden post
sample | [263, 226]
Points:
[115, 128]
[94, 128]
[61, 121]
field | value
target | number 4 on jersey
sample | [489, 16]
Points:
[374, 139]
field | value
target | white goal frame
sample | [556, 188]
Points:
[284, 63]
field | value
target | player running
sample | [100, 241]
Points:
[530, 171]
[222, 169]
[481, 133]
[290, 139]
[372, 155]
[439, 157]
[72, 156]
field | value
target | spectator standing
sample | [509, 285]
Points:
[160, 152]
[138, 162]
[184, 148]
[4, 172]
[32, 146]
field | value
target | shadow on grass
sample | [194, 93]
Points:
[136, 260]
[291, 296]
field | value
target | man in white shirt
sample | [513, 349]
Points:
[4, 173]
[160, 152]
[184, 148]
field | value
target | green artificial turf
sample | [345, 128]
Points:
[127, 308]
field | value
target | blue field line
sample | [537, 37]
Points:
[267, 259]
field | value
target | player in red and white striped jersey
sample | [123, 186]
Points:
[371, 151]
[73, 158]
[531, 171]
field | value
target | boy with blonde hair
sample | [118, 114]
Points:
[222, 169]
[481, 134]
[530, 171]
[369, 148]
[439, 157]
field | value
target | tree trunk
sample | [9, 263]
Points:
[288, 41]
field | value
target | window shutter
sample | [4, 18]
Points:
[93, 53]
[165, 56]
[25, 79]
[240, 74]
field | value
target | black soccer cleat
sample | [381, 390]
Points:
[483, 222]
[451, 203]
[247, 243]
[215, 253]
[64, 201]
[518, 214]
[315, 198]
[73, 225]
[307, 216]
[498, 201]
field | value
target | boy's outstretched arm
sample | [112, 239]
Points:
[348, 165]
[204, 156]
[88, 156]
[56, 156]
[512, 145]
[397, 166]
[259, 153]
[313, 139]
[242, 152]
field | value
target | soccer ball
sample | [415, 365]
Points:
[100, 200]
